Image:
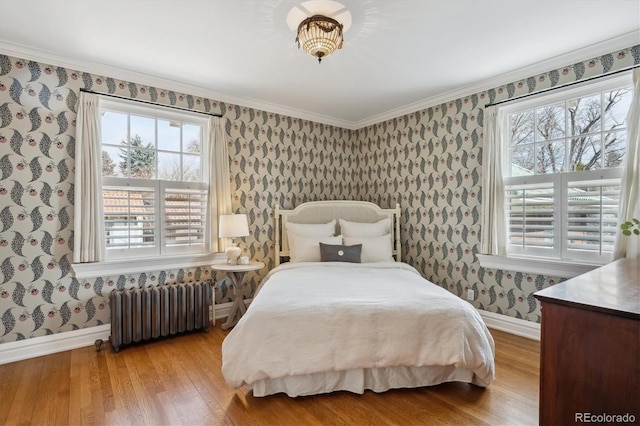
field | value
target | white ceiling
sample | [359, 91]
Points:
[397, 55]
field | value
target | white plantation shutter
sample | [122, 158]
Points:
[570, 215]
[592, 216]
[130, 220]
[138, 222]
[185, 219]
[532, 211]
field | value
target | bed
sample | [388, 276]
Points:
[321, 322]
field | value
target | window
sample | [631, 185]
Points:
[154, 181]
[562, 171]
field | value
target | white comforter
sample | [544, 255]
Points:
[315, 317]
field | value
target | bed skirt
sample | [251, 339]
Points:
[359, 380]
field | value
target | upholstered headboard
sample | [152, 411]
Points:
[325, 211]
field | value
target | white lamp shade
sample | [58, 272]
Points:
[233, 225]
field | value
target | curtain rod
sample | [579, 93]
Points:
[563, 86]
[148, 102]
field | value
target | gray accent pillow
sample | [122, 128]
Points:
[339, 253]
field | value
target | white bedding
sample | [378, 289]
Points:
[326, 319]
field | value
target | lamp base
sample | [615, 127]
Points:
[233, 252]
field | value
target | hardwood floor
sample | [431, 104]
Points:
[178, 381]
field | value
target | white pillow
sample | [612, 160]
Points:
[308, 230]
[307, 249]
[360, 229]
[312, 229]
[374, 249]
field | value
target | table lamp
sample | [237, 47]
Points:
[232, 226]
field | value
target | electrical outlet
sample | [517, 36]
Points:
[470, 294]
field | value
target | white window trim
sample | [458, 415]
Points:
[138, 265]
[576, 91]
[121, 266]
[158, 113]
[532, 264]
[538, 266]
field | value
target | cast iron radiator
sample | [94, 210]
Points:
[140, 314]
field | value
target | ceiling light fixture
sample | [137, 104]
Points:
[319, 36]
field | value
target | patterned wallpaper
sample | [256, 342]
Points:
[274, 159]
[429, 161]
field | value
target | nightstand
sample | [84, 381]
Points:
[238, 274]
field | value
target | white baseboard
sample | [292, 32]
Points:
[60, 342]
[45, 345]
[511, 325]
[224, 309]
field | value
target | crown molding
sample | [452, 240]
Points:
[594, 50]
[622, 42]
[26, 52]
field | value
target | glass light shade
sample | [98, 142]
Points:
[319, 36]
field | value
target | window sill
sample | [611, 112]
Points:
[132, 266]
[530, 265]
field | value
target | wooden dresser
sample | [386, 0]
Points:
[590, 346]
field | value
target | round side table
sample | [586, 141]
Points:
[238, 275]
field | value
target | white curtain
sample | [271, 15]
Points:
[219, 196]
[89, 245]
[493, 238]
[629, 246]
